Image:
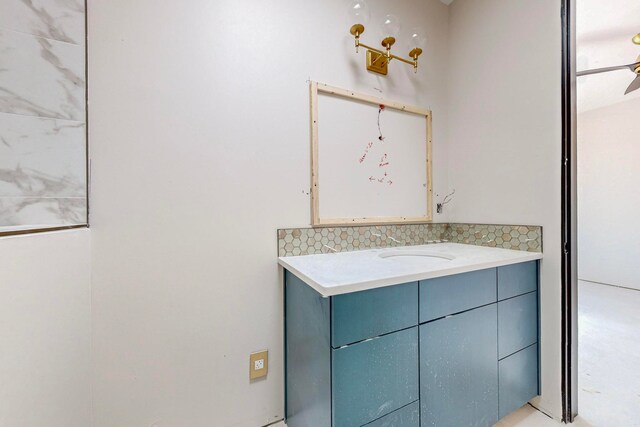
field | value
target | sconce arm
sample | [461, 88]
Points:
[381, 52]
[406, 61]
[373, 49]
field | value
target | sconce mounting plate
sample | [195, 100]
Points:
[377, 62]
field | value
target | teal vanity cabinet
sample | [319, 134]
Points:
[459, 350]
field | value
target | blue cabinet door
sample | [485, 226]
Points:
[517, 279]
[367, 314]
[453, 294]
[373, 378]
[408, 416]
[518, 379]
[517, 323]
[459, 370]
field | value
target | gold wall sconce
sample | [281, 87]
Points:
[378, 59]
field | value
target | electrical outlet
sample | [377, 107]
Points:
[258, 364]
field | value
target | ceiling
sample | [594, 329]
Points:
[447, 2]
[603, 33]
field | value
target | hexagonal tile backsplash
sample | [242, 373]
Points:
[307, 241]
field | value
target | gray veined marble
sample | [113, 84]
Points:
[41, 77]
[41, 212]
[41, 157]
[61, 20]
[42, 114]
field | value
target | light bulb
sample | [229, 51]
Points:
[417, 43]
[417, 39]
[636, 39]
[391, 26]
[359, 13]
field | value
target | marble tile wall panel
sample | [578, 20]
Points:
[42, 114]
[41, 157]
[41, 212]
[41, 77]
[307, 241]
[61, 20]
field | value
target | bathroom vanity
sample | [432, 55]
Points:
[436, 335]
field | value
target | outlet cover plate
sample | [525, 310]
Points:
[255, 371]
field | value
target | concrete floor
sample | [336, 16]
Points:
[608, 359]
[609, 355]
[609, 362]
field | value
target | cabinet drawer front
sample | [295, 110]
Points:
[517, 323]
[368, 314]
[452, 294]
[409, 416]
[373, 378]
[517, 279]
[459, 370]
[518, 379]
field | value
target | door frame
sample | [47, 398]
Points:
[569, 265]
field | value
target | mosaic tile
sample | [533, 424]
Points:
[307, 241]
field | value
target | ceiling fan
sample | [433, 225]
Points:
[635, 67]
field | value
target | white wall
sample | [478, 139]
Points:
[45, 330]
[199, 129]
[505, 138]
[608, 206]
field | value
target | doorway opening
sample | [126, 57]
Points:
[601, 286]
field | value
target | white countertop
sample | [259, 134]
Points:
[345, 272]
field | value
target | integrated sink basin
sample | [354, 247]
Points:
[417, 255]
[407, 253]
